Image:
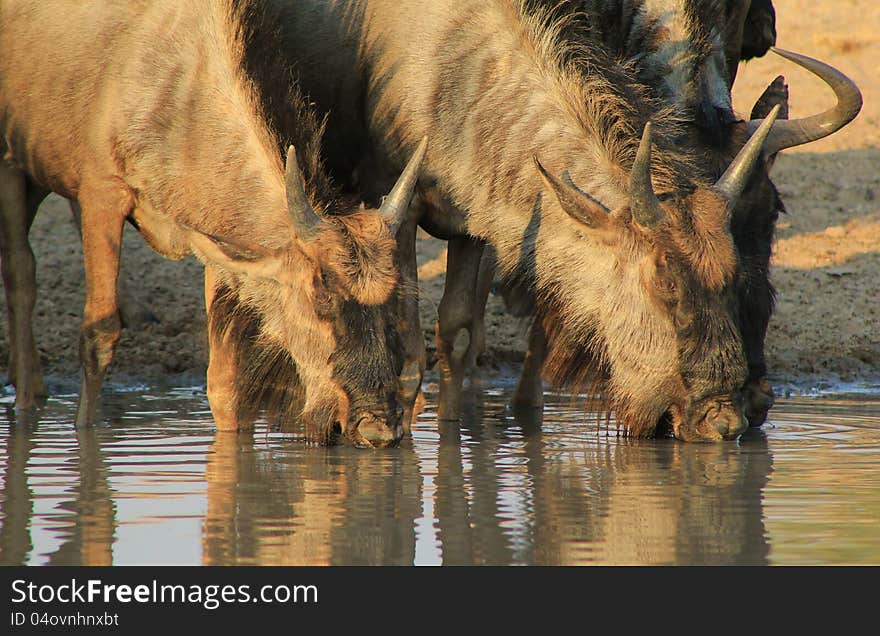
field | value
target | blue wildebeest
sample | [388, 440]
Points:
[175, 117]
[678, 48]
[645, 292]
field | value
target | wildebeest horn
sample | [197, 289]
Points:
[305, 220]
[395, 205]
[575, 202]
[734, 179]
[643, 202]
[794, 132]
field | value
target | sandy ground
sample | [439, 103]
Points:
[826, 265]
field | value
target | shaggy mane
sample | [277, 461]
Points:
[605, 93]
[289, 115]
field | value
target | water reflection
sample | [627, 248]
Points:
[596, 499]
[89, 525]
[84, 520]
[16, 506]
[308, 505]
[156, 484]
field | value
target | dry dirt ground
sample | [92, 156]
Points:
[826, 264]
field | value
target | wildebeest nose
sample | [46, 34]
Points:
[377, 432]
[726, 421]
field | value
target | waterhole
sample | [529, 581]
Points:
[154, 484]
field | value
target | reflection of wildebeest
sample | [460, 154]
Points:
[174, 117]
[526, 493]
[641, 284]
[311, 507]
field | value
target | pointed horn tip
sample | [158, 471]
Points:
[789, 134]
[765, 122]
[789, 55]
[768, 121]
[394, 206]
[645, 142]
[538, 164]
[545, 176]
[421, 150]
[810, 64]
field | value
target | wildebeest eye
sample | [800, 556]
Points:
[663, 279]
[665, 284]
[664, 196]
[323, 299]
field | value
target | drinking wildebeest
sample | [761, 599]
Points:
[646, 292]
[174, 118]
[690, 37]
[686, 51]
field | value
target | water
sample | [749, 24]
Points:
[154, 484]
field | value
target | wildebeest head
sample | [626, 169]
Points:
[667, 323]
[332, 318]
[667, 331]
[754, 217]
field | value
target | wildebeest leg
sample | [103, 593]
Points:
[529, 392]
[485, 278]
[455, 323]
[759, 398]
[414, 356]
[756, 305]
[756, 292]
[132, 312]
[222, 368]
[104, 208]
[18, 207]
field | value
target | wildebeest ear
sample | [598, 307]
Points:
[577, 204]
[775, 93]
[237, 256]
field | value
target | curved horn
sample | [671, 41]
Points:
[795, 132]
[733, 181]
[643, 202]
[395, 205]
[305, 220]
[576, 203]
